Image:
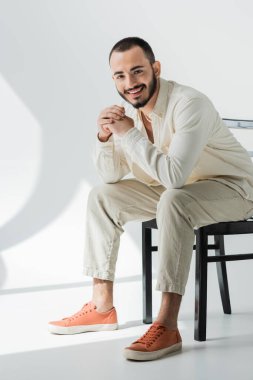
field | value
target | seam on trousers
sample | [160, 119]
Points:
[178, 263]
[109, 254]
[189, 220]
[178, 274]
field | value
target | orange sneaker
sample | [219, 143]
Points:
[87, 319]
[157, 341]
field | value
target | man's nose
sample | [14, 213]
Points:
[131, 82]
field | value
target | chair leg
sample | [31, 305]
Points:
[201, 285]
[147, 274]
[222, 274]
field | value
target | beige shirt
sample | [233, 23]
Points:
[191, 143]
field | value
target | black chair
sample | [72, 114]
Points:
[218, 230]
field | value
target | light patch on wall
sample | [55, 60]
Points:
[20, 152]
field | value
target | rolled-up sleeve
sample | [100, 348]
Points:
[193, 120]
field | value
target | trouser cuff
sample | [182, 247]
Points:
[102, 275]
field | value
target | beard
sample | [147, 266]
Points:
[152, 86]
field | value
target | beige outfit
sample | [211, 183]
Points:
[196, 173]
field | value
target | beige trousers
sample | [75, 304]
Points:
[178, 212]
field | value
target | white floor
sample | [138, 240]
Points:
[28, 351]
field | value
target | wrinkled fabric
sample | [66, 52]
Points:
[177, 211]
[191, 143]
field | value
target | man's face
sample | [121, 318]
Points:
[134, 76]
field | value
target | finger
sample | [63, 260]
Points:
[111, 115]
[120, 108]
[114, 115]
[105, 121]
[116, 109]
[106, 129]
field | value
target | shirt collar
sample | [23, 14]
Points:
[161, 103]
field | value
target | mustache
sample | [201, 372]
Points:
[134, 88]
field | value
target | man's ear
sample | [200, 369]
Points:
[157, 68]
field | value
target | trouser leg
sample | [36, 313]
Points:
[109, 207]
[179, 211]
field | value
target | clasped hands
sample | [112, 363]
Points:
[113, 120]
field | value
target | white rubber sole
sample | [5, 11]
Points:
[139, 355]
[81, 329]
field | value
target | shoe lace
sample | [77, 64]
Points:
[151, 335]
[84, 310]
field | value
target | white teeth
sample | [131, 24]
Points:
[134, 91]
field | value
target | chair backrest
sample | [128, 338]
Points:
[243, 131]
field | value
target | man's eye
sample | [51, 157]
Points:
[120, 76]
[138, 71]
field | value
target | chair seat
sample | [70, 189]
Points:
[230, 228]
[220, 228]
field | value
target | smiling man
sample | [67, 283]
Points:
[187, 170]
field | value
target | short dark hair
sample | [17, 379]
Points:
[129, 42]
